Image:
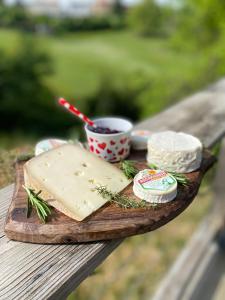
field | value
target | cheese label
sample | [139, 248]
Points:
[156, 180]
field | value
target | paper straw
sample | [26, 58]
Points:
[76, 112]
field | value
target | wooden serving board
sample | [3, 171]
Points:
[109, 222]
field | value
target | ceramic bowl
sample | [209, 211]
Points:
[111, 147]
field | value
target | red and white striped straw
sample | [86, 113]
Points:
[76, 112]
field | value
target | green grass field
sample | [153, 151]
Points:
[80, 60]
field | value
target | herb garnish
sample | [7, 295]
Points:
[181, 179]
[128, 168]
[35, 201]
[120, 200]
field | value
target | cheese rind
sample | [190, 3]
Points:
[67, 177]
[174, 151]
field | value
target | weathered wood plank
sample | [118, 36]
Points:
[36, 271]
[179, 284]
[30, 271]
[202, 115]
[205, 280]
[59, 269]
[5, 196]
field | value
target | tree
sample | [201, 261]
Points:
[146, 18]
[202, 22]
[15, 16]
[118, 98]
[26, 103]
[118, 7]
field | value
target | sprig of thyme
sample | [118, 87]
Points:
[120, 200]
[128, 168]
[35, 201]
[181, 178]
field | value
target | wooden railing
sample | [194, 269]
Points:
[29, 271]
[195, 273]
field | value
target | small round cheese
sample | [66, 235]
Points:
[174, 151]
[139, 139]
[155, 186]
[48, 144]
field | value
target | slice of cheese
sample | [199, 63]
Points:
[174, 151]
[67, 177]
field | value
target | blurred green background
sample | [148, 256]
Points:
[128, 58]
[125, 60]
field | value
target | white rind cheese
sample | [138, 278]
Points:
[67, 177]
[155, 186]
[174, 151]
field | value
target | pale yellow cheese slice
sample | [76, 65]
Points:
[67, 177]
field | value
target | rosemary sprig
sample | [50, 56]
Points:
[120, 200]
[35, 201]
[181, 178]
[129, 169]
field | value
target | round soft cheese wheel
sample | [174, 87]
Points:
[155, 186]
[174, 151]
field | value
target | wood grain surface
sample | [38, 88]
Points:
[201, 114]
[108, 222]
